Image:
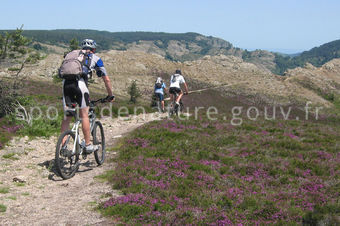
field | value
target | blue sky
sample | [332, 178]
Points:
[288, 25]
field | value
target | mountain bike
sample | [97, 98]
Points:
[70, 148]
[175, 109]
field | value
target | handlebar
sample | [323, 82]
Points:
[103, 100]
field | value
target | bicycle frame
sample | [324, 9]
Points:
[175, 95]
[75, 128]
[78, 121]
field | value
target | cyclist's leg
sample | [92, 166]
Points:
[163, 105]
[69, 92]
[83, 99]
[84, 114]
[161, 99]
[180, 94]
[65, 124]
[172, 92]
[158, 100]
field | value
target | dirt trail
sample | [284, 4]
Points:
[46, 199]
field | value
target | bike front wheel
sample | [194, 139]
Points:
[99, 141]
[67, 159]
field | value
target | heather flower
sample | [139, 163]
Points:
[158, 184]
[12, 129]
[212, 163]
[222, 220]
[247, 178]
[205, 124]
[139, 142]
[179, 164]
[178, 173]
[291, 135]
[219, 126]
[306, 173]
[247, 183]
[324, 155]
[135, 199]
[263, 132]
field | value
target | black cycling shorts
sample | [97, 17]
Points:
[174, 90]
[75, 92]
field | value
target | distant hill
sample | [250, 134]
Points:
[316, 56]
[174, 46]
[187, 47]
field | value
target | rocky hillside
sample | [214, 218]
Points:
[230, 75]
[175, 47]
[178, 47]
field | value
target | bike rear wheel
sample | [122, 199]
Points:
[159, 105]
[178, 108]
[67, 162]
[181, 106]
[99, 141]
[172, 109]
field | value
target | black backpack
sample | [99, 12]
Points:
[159, 83]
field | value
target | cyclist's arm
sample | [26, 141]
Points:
[101, 72]
[108, 86]
[186, 88]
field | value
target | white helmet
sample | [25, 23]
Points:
[88, 44]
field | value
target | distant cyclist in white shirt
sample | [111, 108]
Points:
[175, 86]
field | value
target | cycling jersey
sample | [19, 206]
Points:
[160, 90]
[176, 80]
[97, 64]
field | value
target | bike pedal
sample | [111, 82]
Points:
[84, 156]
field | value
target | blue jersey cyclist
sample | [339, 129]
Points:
[160, 87]
[76, 91]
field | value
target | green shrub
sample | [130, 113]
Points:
[13, 69]
[4, 190]
[3, 208]
[125, 210]
[10, 156]
[8, 97]
[134, 92]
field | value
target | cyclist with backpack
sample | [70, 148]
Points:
[175, 86]
[75, 70]
[160, 88]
